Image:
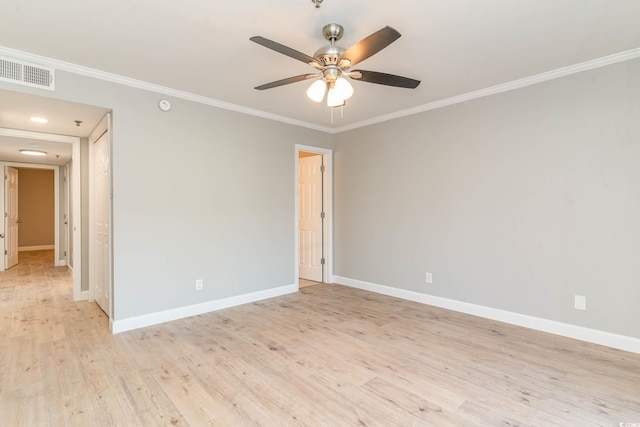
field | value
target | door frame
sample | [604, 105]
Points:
[77, 232]
[56, 207]
[327, 195]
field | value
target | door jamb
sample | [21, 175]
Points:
[327, 247]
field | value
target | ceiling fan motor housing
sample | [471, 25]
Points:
[329, 55]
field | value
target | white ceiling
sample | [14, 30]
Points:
[453, 46]
[16, 111]
[58, 153]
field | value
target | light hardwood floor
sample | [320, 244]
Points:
[326, 356]
[303, 283]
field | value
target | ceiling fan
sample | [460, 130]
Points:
[334, 64]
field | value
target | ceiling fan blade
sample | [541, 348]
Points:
[384, 79]
[292, 53]
[370, 45]
[286, 81]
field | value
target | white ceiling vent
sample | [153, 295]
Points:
[26, 74]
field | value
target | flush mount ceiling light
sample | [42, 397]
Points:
[33, 152]
[333, 64]
[39, 120]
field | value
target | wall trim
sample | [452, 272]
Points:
[139, 84]
[36, 248]
[151, 319]
[594, 336]
[504, 87]
[84, 296]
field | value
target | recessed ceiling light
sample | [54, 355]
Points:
[39, 120]
[33, 152]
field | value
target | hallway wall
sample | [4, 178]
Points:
[36, 203]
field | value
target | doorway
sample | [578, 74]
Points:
[30, 219]
[66, 124]
[10, 196]
[11, 140]
[313, 215]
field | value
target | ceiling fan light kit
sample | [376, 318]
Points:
[334, 63]
[317, 90]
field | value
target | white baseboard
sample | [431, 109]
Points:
[82, 296]
[61, 263]
[35, 248]
[193, 310]
[595, 336]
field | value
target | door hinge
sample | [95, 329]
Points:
[322, 261]
[65, 253]
[322, 168]
[322, 215]
[5, 251]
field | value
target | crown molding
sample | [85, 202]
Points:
[139, 84]
[504, 87]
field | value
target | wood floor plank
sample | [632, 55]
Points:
[327, 355]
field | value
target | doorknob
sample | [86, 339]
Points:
[19, 221]
[2, 236]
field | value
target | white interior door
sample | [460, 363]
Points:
[11, 217]
[310, 220]
[101, 222]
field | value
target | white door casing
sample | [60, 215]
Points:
[310, 217]
[101, 224]
[67, 214]
[11, 217]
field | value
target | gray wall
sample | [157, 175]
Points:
[515, 201]
[84, 209]
[198, 193]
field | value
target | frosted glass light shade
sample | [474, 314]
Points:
[344, 88]
[333, 98]
[316, 90]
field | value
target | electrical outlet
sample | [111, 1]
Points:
[199, 285]
[580, 303]
[429, 278]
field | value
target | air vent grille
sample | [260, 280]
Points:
[23, 73]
